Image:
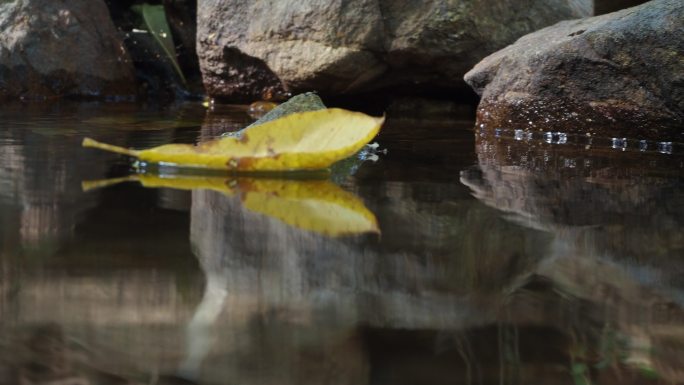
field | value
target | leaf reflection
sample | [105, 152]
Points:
[318, 206]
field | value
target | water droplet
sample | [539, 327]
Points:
[665, 147]
[619, 143]
[548, 137]
[643, 145]
[556, 137]
[562, 137]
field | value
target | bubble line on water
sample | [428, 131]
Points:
[587, 140]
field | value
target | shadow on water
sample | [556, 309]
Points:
[542, 264]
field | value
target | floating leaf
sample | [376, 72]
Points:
[312, 205]
[302, 141]
[154, 17]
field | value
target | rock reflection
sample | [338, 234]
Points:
[286, 304]
[616, 219]
[41, 189]
[564, 270]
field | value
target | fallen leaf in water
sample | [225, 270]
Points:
[313, 205]
[310, 140]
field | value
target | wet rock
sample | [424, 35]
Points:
[299, 103]
[251, 50]
[61, 48]
[619, 74]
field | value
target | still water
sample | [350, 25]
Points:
[461, 256]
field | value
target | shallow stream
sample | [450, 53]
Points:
[499, 258]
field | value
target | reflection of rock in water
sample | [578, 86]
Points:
[612, 320]
[41, 187]
[626, 204]
[616, 259]
[45, 356]
[430, 250]
[291, 294]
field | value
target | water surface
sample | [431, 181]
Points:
[496, 260]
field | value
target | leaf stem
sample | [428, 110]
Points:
[87, 142]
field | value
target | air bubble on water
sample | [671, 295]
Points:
[232, 134]
[643, 145]
[562, 137]
[556, 137]
[163, 34]
[372, 158]
[548, 137]
[665, 147]
[619, 143]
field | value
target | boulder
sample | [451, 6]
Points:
[620, 74]
[52, 48]
[259, 49]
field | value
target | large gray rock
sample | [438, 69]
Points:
[254, 49]
[620, 74]
[51, 48]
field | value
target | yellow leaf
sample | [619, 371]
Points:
[318, 206]
[314, 205]
[301, 141]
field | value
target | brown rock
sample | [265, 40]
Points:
[61, 48]
[249, 50]
[620, 74]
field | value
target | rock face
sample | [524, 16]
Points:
[619, 74]
[61, 48]
[256, 49]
